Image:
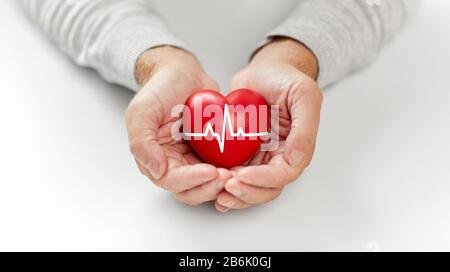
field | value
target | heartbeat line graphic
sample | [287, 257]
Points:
[221, 136]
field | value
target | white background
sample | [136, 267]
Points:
[380, 179]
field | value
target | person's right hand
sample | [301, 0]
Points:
[169, 76]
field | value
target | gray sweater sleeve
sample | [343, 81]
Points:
[107, 35]
[345, 35]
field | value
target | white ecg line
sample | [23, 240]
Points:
[221, 136]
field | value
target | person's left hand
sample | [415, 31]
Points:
[283, 73]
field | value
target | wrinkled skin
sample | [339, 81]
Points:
[283, 72]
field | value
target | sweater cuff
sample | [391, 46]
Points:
[127, 41]
[344, 35]
[318, 39]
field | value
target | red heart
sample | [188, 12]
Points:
[208, 122]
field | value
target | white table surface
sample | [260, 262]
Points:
[380, 179]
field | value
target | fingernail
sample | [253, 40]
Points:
[295, 158]
[224, 210]
[235, 192]
[155, 169]
[227, 203]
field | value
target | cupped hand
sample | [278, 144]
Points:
[169, 76]
[283, 72]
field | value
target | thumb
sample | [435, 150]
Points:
[305, 117]
[143, 138]
[151, 156]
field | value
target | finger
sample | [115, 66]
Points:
[192, 158]
[251, 194]
[180, 178]
[259, 158]
[205, 192]
[221, 208]
[142, 169]
[142, 133]
[210, 84]
[229, 201]
[150, 155]
[240, 80]
[304, 107]
[276, 174]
